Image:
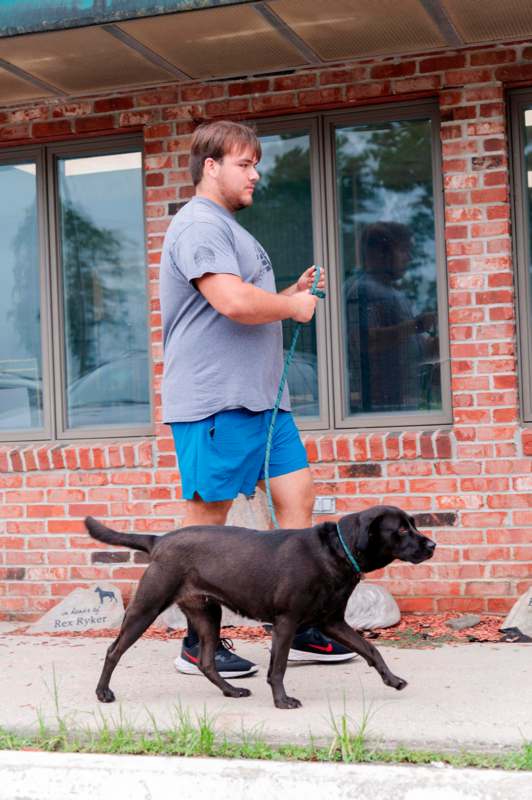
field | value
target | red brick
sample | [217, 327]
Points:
[342, 76]
[399, 70]
[363, 91]
[50, 129]
[273, 102]
[425, 83]
[250, 87]
[113, 104]
[441, 63]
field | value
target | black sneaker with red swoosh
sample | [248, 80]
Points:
[228, 663]
[312, 645]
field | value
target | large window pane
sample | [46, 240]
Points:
[281, 220]
[104, 290]
[21, 400]
[388, 267]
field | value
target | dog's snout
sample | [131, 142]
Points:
[430, 545]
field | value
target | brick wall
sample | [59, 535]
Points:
[470, 487]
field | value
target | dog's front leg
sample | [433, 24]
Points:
[206, 620]
[282, 635]
[343, 633]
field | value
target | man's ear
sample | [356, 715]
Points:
[365, 520]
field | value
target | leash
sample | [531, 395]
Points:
[288, 360]
[347, 551]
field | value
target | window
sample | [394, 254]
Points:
[361, 193]
[521, 111]
[73, 359]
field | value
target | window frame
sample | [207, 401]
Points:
[52, 318]
[330, 347]
[520, 100]
[310, 124]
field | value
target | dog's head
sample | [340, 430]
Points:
[384, 533]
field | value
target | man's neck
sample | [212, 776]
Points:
[213, 197]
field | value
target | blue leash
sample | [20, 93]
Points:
[287, 362]
[347, 551]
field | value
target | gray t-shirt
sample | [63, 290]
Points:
[212, 363]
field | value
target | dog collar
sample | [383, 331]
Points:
[348, 552]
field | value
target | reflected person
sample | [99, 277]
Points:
[389, 345]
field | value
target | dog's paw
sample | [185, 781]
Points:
[105, 695]
[237, 692]
[395, 682]
[288, 702]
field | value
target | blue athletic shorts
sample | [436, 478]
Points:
[223, 454]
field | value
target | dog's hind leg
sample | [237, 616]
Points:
[282, 635]
[343, 633]
[206, 618]
[152, 597]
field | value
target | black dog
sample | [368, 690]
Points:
[286, 577]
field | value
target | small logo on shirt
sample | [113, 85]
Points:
[264, 261]
[204, 257]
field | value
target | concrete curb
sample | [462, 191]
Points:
[63, 776]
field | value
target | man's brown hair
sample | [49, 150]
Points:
[217, 139]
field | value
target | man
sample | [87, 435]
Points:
[223, 360]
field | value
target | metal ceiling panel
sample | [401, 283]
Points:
[14, 89]
[219, 42]
[81, 60]
[339, 29]
[490, 20]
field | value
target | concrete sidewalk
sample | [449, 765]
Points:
[469, 696]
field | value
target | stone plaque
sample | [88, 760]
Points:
[99, 607]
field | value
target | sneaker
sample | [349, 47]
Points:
[228, 664]
[312, 645]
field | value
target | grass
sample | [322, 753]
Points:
[193, 737]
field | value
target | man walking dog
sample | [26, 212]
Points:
[223, 360]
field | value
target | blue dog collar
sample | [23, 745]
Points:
[348, 552]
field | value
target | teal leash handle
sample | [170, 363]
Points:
[288, 360]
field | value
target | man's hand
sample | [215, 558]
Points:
[304, 306]
[306, 280]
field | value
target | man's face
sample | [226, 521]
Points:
[235, 178]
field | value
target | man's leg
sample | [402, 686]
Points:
[198, 512]
[293, 499]
[228, 664]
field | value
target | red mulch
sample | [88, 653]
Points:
[412, 630]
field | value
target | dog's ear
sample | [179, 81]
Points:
[366, 519]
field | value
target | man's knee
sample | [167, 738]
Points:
[199, 512]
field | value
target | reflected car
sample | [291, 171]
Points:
[115, 393]
[303, 385]
[20, 401]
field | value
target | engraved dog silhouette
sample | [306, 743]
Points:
[102, 593]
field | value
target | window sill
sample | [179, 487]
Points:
[78, 455]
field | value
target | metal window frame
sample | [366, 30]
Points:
[520, 100]
[52, 318]
[399, 420]
[35, 154]
[311, 124]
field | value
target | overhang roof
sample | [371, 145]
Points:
[116, 46]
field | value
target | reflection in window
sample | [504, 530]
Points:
[388, 267]
[281, 220]
[104, 290]
[21, 405]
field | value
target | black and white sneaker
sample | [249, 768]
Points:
[228, 664]
[312, 645]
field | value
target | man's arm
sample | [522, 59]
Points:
[242, 302]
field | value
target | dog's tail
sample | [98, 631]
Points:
[102, 533]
